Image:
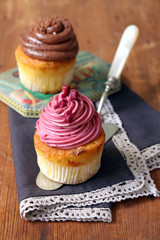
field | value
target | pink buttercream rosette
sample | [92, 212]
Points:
[69, 121]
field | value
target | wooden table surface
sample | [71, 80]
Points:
[98, 25]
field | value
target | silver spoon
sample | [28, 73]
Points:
[127, 41]
[125, 46]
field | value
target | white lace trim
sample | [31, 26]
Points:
[152, 156]
[77, 207]
[134, 158]
[48, 213]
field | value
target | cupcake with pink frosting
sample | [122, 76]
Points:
[69, 138]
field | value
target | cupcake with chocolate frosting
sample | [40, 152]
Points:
[47, 54]
[69, 138]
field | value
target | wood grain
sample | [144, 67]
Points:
[98, 25]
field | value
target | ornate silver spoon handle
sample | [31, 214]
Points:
[127, 41]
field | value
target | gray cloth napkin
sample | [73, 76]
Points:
[89, 201]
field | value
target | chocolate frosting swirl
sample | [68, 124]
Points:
[51, 39]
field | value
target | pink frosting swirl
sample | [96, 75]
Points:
[69, 121]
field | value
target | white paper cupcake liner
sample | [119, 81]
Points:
[68, 174]
[44, 83]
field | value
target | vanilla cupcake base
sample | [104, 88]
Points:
[46, 82]
[70, 166]
[41, 76]
[68, 174]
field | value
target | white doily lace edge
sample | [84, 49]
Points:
[69, 214]
[76, 207]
